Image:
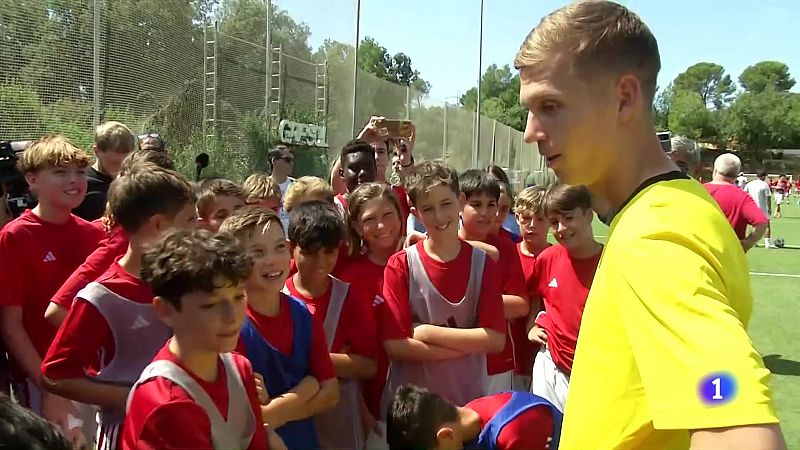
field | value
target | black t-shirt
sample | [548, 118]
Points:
[94, 205]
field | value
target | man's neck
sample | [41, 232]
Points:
[131, 261]
[313, 286]
[267, 303]
[201, 363]
[534, 249]
[585, 250]
[644, 163]
[722, 180]
[96, 166]
[443, 249]
[470, 422]
[279, 178]
[50, 214]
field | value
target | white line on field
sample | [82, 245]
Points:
[764, 274]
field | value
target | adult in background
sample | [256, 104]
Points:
[686, 155]
[281, 162]
[738, 207]
[671, 298]
[761, 194]
[112, 143]
[152, 141]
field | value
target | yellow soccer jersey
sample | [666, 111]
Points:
[662, 346]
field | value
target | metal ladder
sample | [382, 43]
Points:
[321, 91]
[275, 100]
[210, 81]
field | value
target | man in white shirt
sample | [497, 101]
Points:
[281, 160]
[761, 193]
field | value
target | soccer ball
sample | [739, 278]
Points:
[778, 242]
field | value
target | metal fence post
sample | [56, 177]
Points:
[268, 62]
[444, 133]
[494, 144]
[96, 59]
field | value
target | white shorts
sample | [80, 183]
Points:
[548, 381]
[375, 442]
[778, 198]
[501, 382]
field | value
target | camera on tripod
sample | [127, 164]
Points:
[18, 196]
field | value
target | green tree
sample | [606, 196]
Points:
[499, 97]
[759, 76]
[763, 120]
[709, 81]
[688, 116]
[661, 108]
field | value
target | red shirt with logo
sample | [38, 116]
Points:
[563, 283]
[37, 258]
[528, 431]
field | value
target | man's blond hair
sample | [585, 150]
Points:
[530, 200]
[260, 186]
[114, 136]
[51, 151]
[303, 188]
[597, 35]
[211, 189]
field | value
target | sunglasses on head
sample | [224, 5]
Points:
[149, 135]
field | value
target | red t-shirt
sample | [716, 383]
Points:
[279, 332]
[450, 279]
[356, 327]
[162, 416]
[738, 206]
[76, 352]
[109, 249]
[369, 278]
[512, 282]
[37, 258]
[524, 349]
[563, 284]
[528, 431]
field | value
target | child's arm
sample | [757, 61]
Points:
[467, 340]
[413, 350]
[325, 399]
[55, 314]
[515, 306]
[74, 351]
[85, 390]
[18, 343]
[490, 250]
[353, 366]
[283, 408]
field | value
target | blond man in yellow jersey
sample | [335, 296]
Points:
[663, 360]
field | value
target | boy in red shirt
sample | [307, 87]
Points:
[562, 276]
[533, 228]
[444, 304]
[196, 393]
[217, 200]
[315, 235]
[100, 366]
[39, 250]
[420, 419]
[112, 247]
[478, 218]
[285, 344]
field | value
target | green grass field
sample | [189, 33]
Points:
[773, 328]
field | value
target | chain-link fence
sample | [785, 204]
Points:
[223, 88]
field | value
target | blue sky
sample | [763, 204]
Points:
[441, 36]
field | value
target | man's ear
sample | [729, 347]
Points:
[95, 150]
[462, 199]
[31, 178]
[629, 97]
[164, 310]
[413, 211]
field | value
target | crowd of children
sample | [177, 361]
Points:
[193, 316]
